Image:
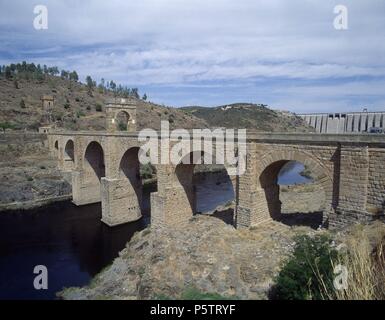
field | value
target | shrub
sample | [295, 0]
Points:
[22, 104]
[66, 105]
[147, 171]
[58, 115]
[80, 113]
[6, 125]
[308, 272]
[98, 107]
[122, 126]
[162, 296]
[192, 293]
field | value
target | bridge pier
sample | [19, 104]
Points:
[85, 189]
[174, 203]
[252, 208]
[121, 201]
[353, 186]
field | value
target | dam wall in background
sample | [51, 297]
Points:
[345, 122]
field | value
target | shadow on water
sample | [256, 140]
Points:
[70, 241]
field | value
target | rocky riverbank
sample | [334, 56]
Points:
[302, 198]
[28, 173]
[206, 255]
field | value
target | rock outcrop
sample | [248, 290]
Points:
[205, 254]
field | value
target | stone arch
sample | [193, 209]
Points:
[90, 169]
[268, 169]
[185, 184]
[94, 164]
[69, 155]
[184, 175]
[56, 148]
[122, 119]
[129, 171]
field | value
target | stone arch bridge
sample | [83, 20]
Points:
[104, 167]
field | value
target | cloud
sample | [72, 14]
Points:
[171, 45]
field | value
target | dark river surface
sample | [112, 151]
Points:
[74, 244]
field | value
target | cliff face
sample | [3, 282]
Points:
[206, 254]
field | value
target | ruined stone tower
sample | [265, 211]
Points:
[121, 115]
[47, 102]
[47, 105]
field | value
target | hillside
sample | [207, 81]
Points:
[251, 116]
[75, 108]
[79, 106]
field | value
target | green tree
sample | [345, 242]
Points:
[135, 93]
[53, 71]
[144, 97]
[38, 74]
[74, 76]
[89, 84]
[8, 72]
[64, 74]
[101, 88]
[112, 85]
[24, 66]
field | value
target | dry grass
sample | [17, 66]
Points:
[365, 262]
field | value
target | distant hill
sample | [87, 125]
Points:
[251, 116]
[80, 106]
[75, 108]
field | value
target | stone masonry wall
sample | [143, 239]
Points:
[376, 183]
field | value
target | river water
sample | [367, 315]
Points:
[74, 244]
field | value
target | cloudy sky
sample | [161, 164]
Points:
[286, 54]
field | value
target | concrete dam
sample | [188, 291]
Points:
[349, 122]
